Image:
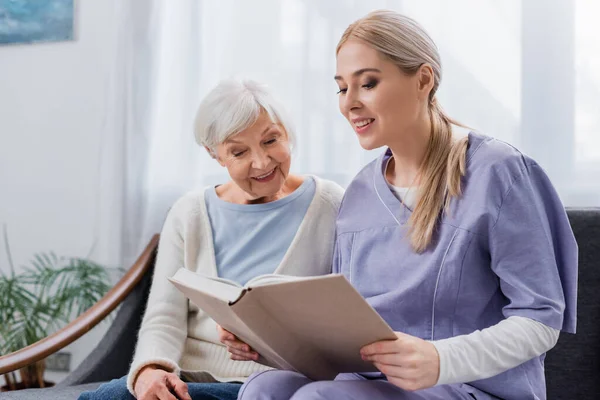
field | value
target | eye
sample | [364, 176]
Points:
[238, 153]
[342, 91]
[370, 84]
[270, 141]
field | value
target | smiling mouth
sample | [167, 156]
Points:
[363, 123]
[265, 177]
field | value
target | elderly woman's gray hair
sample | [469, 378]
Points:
[232, 106]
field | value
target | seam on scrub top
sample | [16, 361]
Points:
[548, 238]
[464, 229]
[386, 207]
[508, 192]
[351, 232]
[462, 267]
[437, 282]
[477, 148]
[351, 258]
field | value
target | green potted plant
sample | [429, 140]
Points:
[37, 302]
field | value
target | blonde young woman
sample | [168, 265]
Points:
[458, 240]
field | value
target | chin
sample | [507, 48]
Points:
[269, 189]
[370, 143]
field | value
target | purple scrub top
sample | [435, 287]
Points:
[505, 248]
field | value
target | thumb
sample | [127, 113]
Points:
[402, 335]
[224, 334]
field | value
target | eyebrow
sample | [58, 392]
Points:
[358, 73]
[262, 134]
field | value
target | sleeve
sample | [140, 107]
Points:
[534, 254]
[164, 327]
[491, 351]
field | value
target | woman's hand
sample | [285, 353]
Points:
[408, 362]
[155, 383]
[239, 350]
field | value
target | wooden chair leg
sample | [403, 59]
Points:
[41, 366]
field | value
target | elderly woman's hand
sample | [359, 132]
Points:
[155, 383]
[239, 350]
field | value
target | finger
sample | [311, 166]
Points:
[381, 347]
[235, 357]
[154, 390]
[239, 352]
[224, 334]
[392, 371]
[249, 355]
[236, 344]
[402, 335]
[179, 387]
[164, 393]
[390, 359]
[244, 354]
[398, 371]
[407, 384]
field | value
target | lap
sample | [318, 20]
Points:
[117, 390]
[374, 390]
[287, 385]
[214, 391]
[272, 385]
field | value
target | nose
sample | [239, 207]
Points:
[350, 101]
[260, 160]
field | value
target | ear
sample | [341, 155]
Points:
[426, 80]
[210, 152]
[214, 155]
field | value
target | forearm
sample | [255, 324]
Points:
[493, 350]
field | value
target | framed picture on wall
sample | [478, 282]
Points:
[27, 21]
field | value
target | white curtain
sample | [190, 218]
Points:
[523, 71]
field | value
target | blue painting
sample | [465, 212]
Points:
[29, 21]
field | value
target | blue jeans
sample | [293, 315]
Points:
[117, 390]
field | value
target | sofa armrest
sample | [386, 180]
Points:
[86, 321]
[112, 356]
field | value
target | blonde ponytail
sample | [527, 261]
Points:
[441, 173]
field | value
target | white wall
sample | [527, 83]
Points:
[52, 111]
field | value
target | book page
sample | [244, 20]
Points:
[222, 280]
[216, 287]
[270, 279]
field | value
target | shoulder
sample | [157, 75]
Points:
[189, 206]
[497, 162]
[329, 192]
[361, 185]
[361, 207]
[365, 175]
[187, 214]
[498, 177]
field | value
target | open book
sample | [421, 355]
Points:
[312, 325]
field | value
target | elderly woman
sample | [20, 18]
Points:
[263, 220]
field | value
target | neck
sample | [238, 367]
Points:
[234, 194]
[408, 154]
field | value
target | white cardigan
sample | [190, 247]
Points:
[180, 337]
